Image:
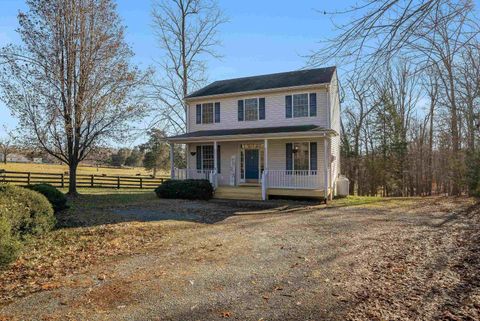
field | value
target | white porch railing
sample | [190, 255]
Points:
[304, 179]
[183, 173]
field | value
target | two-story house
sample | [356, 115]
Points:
[260, 136]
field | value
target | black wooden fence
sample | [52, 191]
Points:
[83, 180]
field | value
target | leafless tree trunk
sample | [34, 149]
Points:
[187, 32]
[71, 83]
[431, 88]
[468, 78]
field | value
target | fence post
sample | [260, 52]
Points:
[62, 183]
[118, 182]
[92, 177]
[28, 178]
[141, 182]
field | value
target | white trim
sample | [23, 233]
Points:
[172, 161]
[329, 108]
[306, 135]
[254, 92]
[265, 155]
[326, 159]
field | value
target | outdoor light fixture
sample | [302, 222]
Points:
[193, 153]
[295, 149]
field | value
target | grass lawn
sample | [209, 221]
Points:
[371, 201]
[57, 168]
[91, 198]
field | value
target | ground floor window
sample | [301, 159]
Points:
[301, 156]
[205, 159]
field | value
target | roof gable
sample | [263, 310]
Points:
[271, 81]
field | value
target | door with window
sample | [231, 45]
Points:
[251, 164]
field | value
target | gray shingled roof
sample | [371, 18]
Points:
[250, 131]
[279, 80]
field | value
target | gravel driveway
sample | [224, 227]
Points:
[415, 259]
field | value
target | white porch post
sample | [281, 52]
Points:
[215, 169]
[326, 160]
[265, 170]
[187, 160]
[172, 163]
[265, 158]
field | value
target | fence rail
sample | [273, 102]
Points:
[83, 180]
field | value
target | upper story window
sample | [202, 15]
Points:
[208, 113]
[251, 109]
[301, 105]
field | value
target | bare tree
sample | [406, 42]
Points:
[187, 32]
[382, 29]
[431, 85]
[438, 38]
[71, 83]
[358, 107]
[449, 36]
[7, 143]
[468, 78]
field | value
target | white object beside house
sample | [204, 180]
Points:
[283, 130]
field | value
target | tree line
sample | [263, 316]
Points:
[411, 109]
[154, 154]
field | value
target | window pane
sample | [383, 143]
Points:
[207, 113]
[207, 157]
[251, 109]
[300, 105]
[300, 156]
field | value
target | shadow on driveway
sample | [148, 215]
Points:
[92, 210]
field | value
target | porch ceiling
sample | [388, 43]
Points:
[254, 133]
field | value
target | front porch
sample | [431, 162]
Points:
[260, 167]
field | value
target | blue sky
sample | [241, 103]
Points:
[261, 36]
[273, 37]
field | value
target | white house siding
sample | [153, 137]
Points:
[335, 125]
[274, 111]
[276, 156]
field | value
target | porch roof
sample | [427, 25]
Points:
[254, 133]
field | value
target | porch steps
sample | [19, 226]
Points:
[239, 192]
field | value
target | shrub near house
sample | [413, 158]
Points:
[23, 213]
[187, 189]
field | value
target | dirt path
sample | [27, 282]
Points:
[401, 260]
